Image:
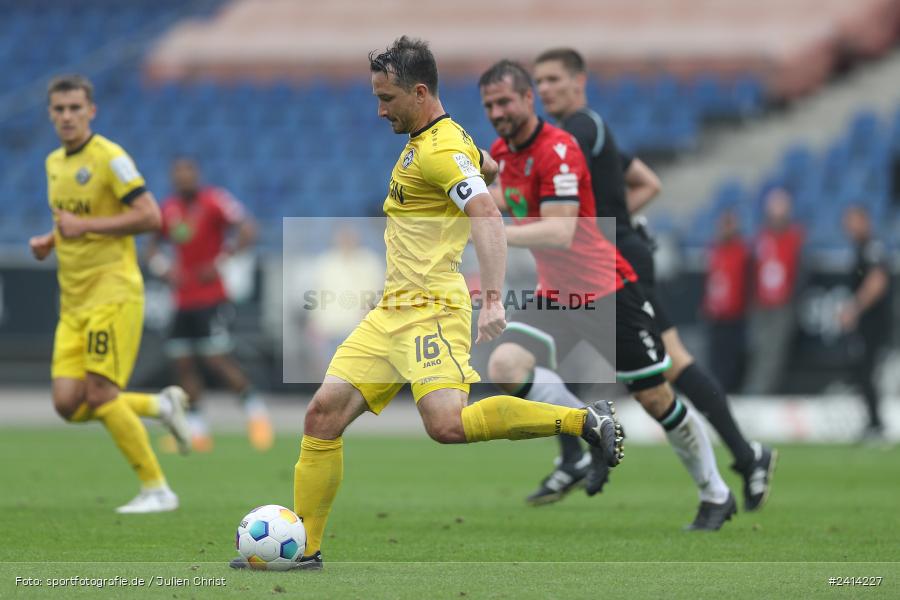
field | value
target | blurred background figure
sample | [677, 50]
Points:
[725, 297]
[198, 220]
[867, 314]
[776, 270]
[347, 278]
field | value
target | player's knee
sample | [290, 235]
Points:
[98, 393]
[679, 355]
[65, 409]
[322, 416]
[446, 431]
[508, 366]
[656, 400]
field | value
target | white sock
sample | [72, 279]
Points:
[253, 405]
[692, 445]
[165, 406]
[549, 388]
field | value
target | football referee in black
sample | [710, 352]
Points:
[868, 313]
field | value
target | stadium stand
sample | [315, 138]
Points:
[854, 168]
[314, 147]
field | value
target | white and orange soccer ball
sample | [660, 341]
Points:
[271, 537]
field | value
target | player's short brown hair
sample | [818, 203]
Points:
[67, 83]
[521, 80]
[571, 60]
[408, 59]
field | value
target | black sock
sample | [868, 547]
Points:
[569, 449]
[708, 397]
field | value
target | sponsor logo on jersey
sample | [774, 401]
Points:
[565, 184]
[396, 192]
[560, 149]
[407, 160]
[76, 206]
[518, 204]
[465, 165]
[83, 175]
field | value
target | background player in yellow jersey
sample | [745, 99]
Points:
[420, 332]
[99, 203]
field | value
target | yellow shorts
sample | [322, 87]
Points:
[102, 339]
[427, 347]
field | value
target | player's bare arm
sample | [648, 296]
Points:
[489, 167]
[496, 191]
[246, 235]
[642, 185]
[555, 229]
[490, 247]
[42, 245]
[143, 216]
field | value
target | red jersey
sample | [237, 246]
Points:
[197, 229]
[777, 262]
[550, 167]
[725, 296]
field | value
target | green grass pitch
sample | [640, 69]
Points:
[417, 520]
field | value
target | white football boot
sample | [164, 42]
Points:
[173, 416]
[154, 500]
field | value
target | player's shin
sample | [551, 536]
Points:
[690, 442]
[511, 418]
[547, 386]
[317, 476]
[131, 437]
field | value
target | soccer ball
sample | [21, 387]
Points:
[271, 537]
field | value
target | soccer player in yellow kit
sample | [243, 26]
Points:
[420, 332]
[99, 203]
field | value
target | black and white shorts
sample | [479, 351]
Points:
[201, 331]
[629, 341]
[634, 249]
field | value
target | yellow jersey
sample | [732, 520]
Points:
[426, 231]
[96, 180]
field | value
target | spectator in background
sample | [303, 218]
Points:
[197, 220]
[347, 278]
[775, 272]
[725, 302]
[868, 312]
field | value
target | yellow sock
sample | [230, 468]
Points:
[143, 405]
[317, 476]
[511, 418]
[131, 437]
[83, 414]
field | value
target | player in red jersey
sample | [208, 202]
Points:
[546, 186]
[197, 220]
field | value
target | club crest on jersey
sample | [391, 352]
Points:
[83, 175]
[529, 165]
[407, 160]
